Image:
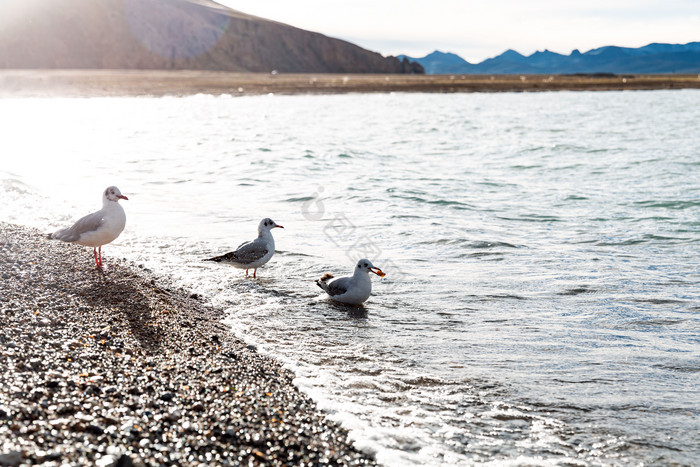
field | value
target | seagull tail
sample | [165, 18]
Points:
[323, 281]
[64, 235]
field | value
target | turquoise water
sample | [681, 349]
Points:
[541, 302]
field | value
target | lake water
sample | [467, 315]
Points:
[542, 298]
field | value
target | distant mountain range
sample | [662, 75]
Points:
[650, 59]
[171, 35]
[204, 35]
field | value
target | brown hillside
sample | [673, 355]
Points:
[170, 34]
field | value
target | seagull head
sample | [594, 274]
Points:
[113, 194]
[366, 266]
[267, 224]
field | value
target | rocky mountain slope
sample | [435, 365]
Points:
[171, 34]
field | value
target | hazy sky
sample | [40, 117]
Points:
[477, 30]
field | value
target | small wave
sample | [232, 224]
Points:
[532, 149]
[496, 256]
[657, 301]
[570, 167]
[426, 381]
[15, 186]
[525, 167]
[532, 218]
[648, 238]
[505, 296]
[293, 253]
[302, 199]
[585, 381]
[488, 245]
[438, 202]
[584, 289]
[653, 218]
[569, 148]
[669, 204]
[495, 184]
[681, 369]
[653, 322]
[632, 241]
[406, 216]
[472, 244]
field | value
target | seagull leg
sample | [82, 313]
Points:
[255, 272]
[246, 273]
[97, 263]
[100, 251]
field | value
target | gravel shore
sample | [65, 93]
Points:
[120, 83]
[109, 368]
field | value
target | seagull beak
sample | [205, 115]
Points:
[377, 271]
[279, 226]
[123, 197]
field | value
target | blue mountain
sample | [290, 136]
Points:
[651, 59]
[443, 63]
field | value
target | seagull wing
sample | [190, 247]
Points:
[338, 286]
[247, 253]
[89, 223]
[251, 252]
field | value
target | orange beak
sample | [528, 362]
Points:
[377, 271]
[281, 227]
[123, 197]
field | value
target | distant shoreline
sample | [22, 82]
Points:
[94, 83]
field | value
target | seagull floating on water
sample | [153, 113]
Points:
[352, 290]
[99, 228]
[253, 254]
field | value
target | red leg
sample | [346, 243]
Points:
[97, 263]
[246, 273]
[100, 251]
[255, 272]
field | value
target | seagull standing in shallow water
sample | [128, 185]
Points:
[98, 228]
[253, 254]
[351, 290]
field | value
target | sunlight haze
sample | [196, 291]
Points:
[478, 30]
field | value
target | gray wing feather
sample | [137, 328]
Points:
[248, 252]
[89, 223]
[338, 286]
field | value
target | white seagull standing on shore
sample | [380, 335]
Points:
[253, 254]
[351, 290]
[98, 228]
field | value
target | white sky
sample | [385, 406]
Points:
[480, 29]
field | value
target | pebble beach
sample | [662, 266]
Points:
[114, 367]
[120, 83]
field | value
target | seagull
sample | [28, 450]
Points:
[253, 254]
[352, 290]
[98, 228]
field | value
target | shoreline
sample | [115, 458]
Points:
[100, 83]
[111, 368]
